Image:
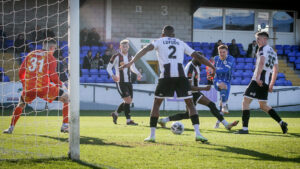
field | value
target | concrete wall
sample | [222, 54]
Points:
[142, 18]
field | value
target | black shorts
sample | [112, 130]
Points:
[196, 97]
[167, 86]
[125, 89]
[254, 91]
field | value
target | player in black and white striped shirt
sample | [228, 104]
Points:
[263, 80]
[192, 71]
[170, 54]
[122, 77]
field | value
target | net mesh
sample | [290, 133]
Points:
[23, 27]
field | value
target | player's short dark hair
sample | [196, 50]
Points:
[168, 30]
[223, 47]
[48, 41]
[264, 34]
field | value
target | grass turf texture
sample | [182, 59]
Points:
[37, 143]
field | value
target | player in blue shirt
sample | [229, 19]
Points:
[224, 64]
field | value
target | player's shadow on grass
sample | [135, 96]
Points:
[259, 133]
[51, 160]
[87, 140]
[253, 153]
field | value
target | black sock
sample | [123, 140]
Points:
[153, 121]
[246, 117]
[274, 115]
[213, 109]
[127, 110]
[195, 119]
[179, 116]
[120, 108]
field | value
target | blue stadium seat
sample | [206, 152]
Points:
[279, 47]
[103, 72]
[240, 60]
[249, 60]
[1, 69]
[292, 54]
[297, 67]
[203, 66]
[247, 74]
[82, 79]
[203, 81]
[6, 79]
[280, 52]
[94, 72]
[279, 82]
[85, 71]
[90, 80]
[85, 48]
[240, 66]
[238, 73]
[297, 54]
[190, 44]
[280, 75]
[249, 66]
[288, 83]
[236, 81]
[95, 48]
[196, 44]
[245, 81]
[292, 59]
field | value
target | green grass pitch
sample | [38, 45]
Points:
[37, 143]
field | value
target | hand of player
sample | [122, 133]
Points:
[115, 78]
[139, 76]
[127, 65]
[259, 82]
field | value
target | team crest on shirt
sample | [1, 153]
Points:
[252, 94]
[189, 92]
[225, 62]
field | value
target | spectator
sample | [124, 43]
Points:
[144, 76]
[106, 57]
[97, 62]
[111, 49]
[234, 49]
[3, 39]
[20, 46]
[83, 37]
[215, 51]
[49, 33]
[62, 66]
[252, 49]
[37, 35]
[93, 38]
[87, 61]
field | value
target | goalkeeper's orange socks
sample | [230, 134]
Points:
[65, 112]
[16, 115]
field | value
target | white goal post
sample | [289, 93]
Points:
[73, 38]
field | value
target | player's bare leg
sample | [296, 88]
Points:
[16, 115]
[195, 120]
[266, 108]
[153, 119]
[213, 109]
[65, 111]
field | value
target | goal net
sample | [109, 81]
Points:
[24, 25]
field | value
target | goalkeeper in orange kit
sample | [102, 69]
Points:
[40, 79]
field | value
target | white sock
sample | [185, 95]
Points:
[222, 113]
[12, 127]
[196, 129]
[166, 119]
[280, 122]
[245, 128]
[128, 120]
[224, 104]
[225, 123]
[218, 122]
[152, 134]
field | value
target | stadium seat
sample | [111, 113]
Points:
[236, 81]
[82, 79]
[249, 60]
[280, 75]
[6, 79]
[1, 69]
[292, 54]
[279, 82]
[288, 83]
[90, 80]
[240, 60]
[279, 47]
[297, 67]
[247, 74]
[196, 44]
[94, 72]
[245, 81]
[103, 72]
[240, 66]
[85, 71]
[203, 81]
[248, 66]
[292, 59]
